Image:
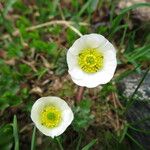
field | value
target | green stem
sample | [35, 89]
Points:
[79, 94]
[33, 139]
[15, 133]
[59, 144]
[79, 142]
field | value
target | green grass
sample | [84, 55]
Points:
[33, 141]
[33, 43]
[15, 133]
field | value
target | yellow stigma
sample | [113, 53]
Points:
[50, 116]
[90, 60]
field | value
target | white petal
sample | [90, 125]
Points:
[91, 81]
[71, 61]
[110, 62]
[77, 73]
[107, 46]
[95, 40]
[87, 41]
[78, 45]
[67, 115]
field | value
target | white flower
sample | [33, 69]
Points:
[51, 115]
[91, 60]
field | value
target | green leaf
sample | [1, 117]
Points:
[137, 143]
[85, 6]
[123, 133]
[130, 45]
[89, 146]
[93, 5]
[33, 141]
[61, 66]
[9, 5]
[138, 53]
[40, 73]
[83, 117]
[55, 4]
[85, 105]
[15, 133]
[59, 143]
[24, 69]
[15, 49]
[140, 130]
[46, 47]
[6, 137]
[79, 142]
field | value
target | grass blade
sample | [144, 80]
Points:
[88, 146]
[126, 73]
[118, 29]
[138, 144]
[138, 53]
[9, 6]
[117, 20]
[139, 130]
[85, 6]
[140, 121]
[79, 142]
[59, 143]
[15, 133]
[123, 133]
[33, 139]
[132, 100]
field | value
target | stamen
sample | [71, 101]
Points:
[90, 60]
[50, 116]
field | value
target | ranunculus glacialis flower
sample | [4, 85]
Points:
[51, 115]
[91, 60]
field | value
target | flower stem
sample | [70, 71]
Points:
[91, 93]
[79, 94]
[69, 24]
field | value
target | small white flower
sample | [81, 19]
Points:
[51, 115]
[91, 60]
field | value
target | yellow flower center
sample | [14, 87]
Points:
[50, 116]
[90, 60]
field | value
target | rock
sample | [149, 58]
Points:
[139, 113]
[129, 84]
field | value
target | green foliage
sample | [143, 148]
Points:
[89, 146]
[139, 54]
[15, 49]
[6, 136]
[61, 64]
[41, 71]
[49, 9]
[70, 36]
[83, 116]
[42, 46]
[107, 89]
[9, 86]
[8, 6]
[116, 21]
[24, 69]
